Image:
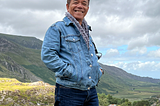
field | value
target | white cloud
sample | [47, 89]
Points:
[33, 4]
[123, 22]
[155, 54]
[138, 51]
[28, 22]
[114, 23]
[6, 29]
[112, 53]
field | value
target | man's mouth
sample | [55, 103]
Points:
[79, 11]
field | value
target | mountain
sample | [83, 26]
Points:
[20, 59]
[116, 79]
[117, 72]
[29, 42]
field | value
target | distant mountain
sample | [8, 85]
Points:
[20, 59]
[116, 79]
[117, 72]
[28, 42]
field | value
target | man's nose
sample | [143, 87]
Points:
[79, 5]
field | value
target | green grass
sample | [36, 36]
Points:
[42, 72]
[142, 90]
[12, 84]
[140, 93]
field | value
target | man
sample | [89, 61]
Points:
[68, 50]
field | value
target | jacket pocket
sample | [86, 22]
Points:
[73, 43]
[67, 74]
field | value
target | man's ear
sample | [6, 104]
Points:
[67, 6]
[88, 7]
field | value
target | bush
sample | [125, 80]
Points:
[141, 103]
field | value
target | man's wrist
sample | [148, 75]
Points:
[102, 71]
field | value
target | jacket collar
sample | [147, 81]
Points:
[67, 21]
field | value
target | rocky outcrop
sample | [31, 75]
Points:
[39, 83]
[6, 45]
[16, 70]
[32, 97]
[20, 59]
[156, 100]
[40, 94]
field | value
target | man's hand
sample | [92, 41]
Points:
[102, 71]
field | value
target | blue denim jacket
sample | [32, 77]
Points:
[65, 52]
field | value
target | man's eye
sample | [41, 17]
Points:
[84, 4]
[75, 3]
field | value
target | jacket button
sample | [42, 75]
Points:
[73, 39]
[89, 77]
[88, 88]
[90, 65]
[91, 54]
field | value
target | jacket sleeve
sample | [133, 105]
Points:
[50, 50]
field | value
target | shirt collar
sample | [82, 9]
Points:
[68, 22]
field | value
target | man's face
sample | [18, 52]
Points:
[78, 9]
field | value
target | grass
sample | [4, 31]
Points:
[140, 93]
[13, 84]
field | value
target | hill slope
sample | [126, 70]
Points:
[20, 59]
[117, 80]
[29, 42]
[117, 72]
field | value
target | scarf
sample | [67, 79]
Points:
[83, 29]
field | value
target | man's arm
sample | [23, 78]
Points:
[50, 50]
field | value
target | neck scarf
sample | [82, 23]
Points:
[83, 29]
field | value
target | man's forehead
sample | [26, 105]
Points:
[82, 0]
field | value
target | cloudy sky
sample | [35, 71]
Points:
[127, 32]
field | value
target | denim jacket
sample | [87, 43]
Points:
[65, 52]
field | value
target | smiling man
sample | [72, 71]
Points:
[78, 11]
[69, 51]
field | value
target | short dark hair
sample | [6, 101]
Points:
[69, 1]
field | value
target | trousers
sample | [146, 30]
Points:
[65, 96]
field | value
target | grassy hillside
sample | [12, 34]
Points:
[27, 59]
[121, 87]
[117, 80]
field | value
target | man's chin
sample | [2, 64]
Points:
[78, 18]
